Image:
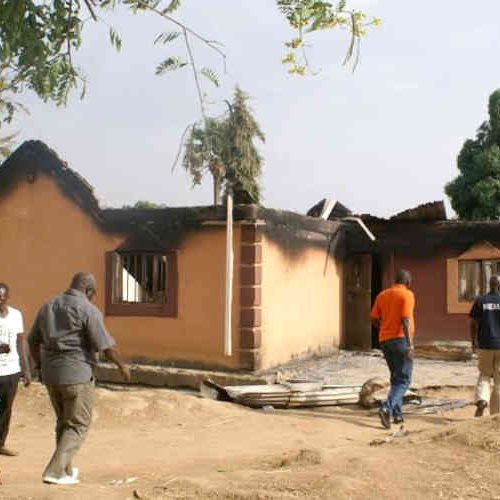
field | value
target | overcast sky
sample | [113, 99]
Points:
[380, 140]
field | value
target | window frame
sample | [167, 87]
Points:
[480, 251]
[167, 309]
[483, 281]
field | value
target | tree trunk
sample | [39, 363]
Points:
[217, 189]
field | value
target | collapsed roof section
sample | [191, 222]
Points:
[427, 212]
[154, 229]
[338, 212]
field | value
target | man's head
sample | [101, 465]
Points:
[403, 277]
[86, 283]
[495, 283]
[4, 296]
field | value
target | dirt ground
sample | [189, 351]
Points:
[157, 443]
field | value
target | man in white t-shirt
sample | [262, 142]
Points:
[13, 361]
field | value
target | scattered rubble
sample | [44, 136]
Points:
[291, 394]
[307, 394]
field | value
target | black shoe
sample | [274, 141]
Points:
[481, 405]
[399, 420]
[385, 418]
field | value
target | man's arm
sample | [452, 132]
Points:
[406, 330]
[23, 356]
[474, 329]
[113, 356]
[407, 315]
[475, 318]
[34, 342]
[103, 342]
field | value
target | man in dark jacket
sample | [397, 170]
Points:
[485, 337]
[66, 335]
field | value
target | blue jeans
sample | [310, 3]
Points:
[401, 367]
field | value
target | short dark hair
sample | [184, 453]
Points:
[403, 277]
[495, 282]
[83, 281]
[5, 287]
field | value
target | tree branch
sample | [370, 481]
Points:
[181, 145]
[210, 43]
[195, 73]
[88, 3]
[68, 39]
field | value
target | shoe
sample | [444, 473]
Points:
[385, 418]
[73, 472]
[481, 405]
[399, 420]
[8, 453]
[63, 481]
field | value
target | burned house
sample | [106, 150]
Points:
[162, 272]
[450, 260]
[300, 285]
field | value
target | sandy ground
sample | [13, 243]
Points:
[350, 367]
[156, 443]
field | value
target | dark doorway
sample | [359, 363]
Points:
[358, 283]
[376, 289]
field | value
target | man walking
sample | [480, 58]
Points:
[485, 335]
[13, 361]
[392, 315]
[65, 337]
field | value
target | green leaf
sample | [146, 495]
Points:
[170, 64]
[172, 7]
[211, 76]
[167, 37]
[115, 39]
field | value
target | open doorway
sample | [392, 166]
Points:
[376, 289]
[358, 300]
[363, 282]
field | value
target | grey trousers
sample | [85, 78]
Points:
[73, 408]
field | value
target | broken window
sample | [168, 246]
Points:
[141, 283]
[474, 276]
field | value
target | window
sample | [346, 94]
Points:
[467, 275]
[474, 276]
[141, 284]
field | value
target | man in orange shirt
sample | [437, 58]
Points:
[392, 315]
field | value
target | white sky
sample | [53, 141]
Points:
[380, 140]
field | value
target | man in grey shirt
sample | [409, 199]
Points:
[65, 337]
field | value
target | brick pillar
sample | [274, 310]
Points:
[250, 297]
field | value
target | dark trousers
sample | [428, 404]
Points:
[401, 368]
[8, 389]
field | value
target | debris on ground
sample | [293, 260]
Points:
[119, 482]
[307, 394]
[400, 433]
[292, 394]
[430, 406]
[368, 389]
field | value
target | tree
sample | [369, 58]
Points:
[37, 41]
[241, 157]
[225, 148]
[204, 151]
[475, 192]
